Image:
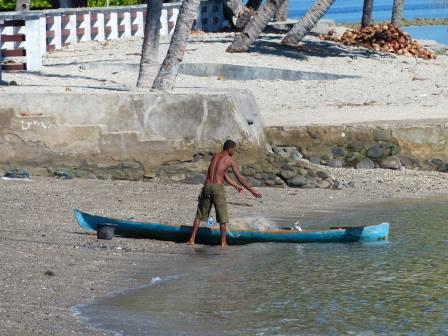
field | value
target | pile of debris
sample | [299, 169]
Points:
[382, 37]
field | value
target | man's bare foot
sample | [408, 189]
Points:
[190, 243]
[224, 245]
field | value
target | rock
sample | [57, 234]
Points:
[298, 181]
[258, 176]
[335, 163]
[178, 177]
[337, 185]
[92, 177]
[278, 181]
[365, 164]
[392, 162]
[287, 174]
[49, 273]
[324, 184]
[249, 171]
[269, 182]
[17, 173]
[315, 160]
[375, 151]
[254, 182]
[303, 171]
[322, 174]
[393, 149]
[197, 179]
[355, 147]
[437, 162]
[351, 184]
[268, 176]
[443, 168]
[337, 152]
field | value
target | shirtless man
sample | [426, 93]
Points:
[213, 191]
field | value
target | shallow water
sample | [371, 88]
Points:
[392, 288]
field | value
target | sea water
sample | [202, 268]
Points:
[397, 287]
[348, 11]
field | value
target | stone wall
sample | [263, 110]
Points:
[419, 144]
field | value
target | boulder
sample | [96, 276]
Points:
[375, 151]
[355, 147]
[254, 182]
[365, 164]
[337, 152]
[392, 162]
[287, 174]
[334, 163]
[298, 181]
[315, 160]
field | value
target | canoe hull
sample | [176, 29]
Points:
[209, 236]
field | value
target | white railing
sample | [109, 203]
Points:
[53, 29]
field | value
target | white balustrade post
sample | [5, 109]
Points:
[73, 38]
[32, 42]
[127, 24]
[86, 26]
[139, 20]
[163, 22]
[57, 28]
[113, 24]
[174, 19]
[43, 34]
[100, 24]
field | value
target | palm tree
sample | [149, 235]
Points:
[307, 22]
[367, 13]
[256, 25]
[282, 12]
[149, 62]
[397, 12]
[166, 77]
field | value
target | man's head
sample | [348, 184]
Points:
[229, 146]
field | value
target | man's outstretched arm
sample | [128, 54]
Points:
[233, 183]
[243, 181]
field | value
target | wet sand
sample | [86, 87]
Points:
[39, 235]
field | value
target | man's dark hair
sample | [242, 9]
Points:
[228, 144]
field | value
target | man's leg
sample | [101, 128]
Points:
[223, 228]
[196, 224]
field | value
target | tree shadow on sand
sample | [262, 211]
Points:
[311, 48]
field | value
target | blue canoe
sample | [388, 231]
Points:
[210, 236]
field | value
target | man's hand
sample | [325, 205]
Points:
[240, 189]
[256, 193]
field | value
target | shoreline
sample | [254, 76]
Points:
[40, 235]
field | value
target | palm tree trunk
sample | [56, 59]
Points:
[307, 22]
[282, 12]
[166, 77]
[397, 12]
[253, 29]
[367, 13]
[149, 62]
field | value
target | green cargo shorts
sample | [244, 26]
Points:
[213, 194]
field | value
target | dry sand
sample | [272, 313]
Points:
[39, 234]
[388, 87]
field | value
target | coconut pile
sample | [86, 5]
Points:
[386, 38]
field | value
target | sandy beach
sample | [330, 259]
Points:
[50, 265]
[387, 87]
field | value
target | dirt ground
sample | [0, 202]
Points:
[49, 265]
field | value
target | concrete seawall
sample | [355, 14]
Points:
[124, 135]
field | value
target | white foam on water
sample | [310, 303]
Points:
[257, 223]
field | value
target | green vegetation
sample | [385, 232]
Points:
[102, 3]
[7, 5]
